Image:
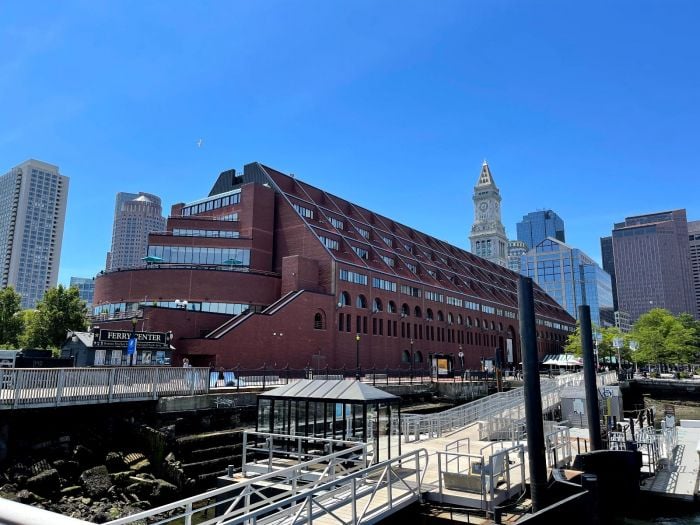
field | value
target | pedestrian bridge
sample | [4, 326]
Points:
[54, 387]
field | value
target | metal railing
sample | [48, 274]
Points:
[51, 387]
[508, 405]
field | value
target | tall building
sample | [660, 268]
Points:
[86, 289]
[571, 278]
[694, 238]
[536, 226]
[652, 263]
[33, 200]
[488, 236]
[135, 216]
[606, 253]
[516, 250]
[271, 270]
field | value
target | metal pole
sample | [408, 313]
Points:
[589, 377]
[357, 356]
[533, 397]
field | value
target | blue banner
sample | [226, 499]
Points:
[131, 346]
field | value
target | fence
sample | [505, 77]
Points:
[52, 387]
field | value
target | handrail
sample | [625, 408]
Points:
[14, 513]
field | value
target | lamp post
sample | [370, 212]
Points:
[357, 356]
[597, 338]
[410, 366]
[460, 354]
[634, 346]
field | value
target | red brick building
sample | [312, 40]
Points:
[270, 270]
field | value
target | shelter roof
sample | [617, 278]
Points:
[330, 390]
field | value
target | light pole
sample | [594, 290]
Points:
[460, 354]
[634, 346]
[357, 356]
[411, 363]
[597, 337]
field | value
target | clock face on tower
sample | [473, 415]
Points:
[483, 206]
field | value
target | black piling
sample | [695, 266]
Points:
[533, 395]
[589, 377]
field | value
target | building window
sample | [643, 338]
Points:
[388, 260]
[410, 290]
[377, 304]
[412, 267]
[329, 243]
[344, 299]
[361, 252]
[361, 302]
[383, 284]
[304, 212]
[353, 277]
[319, 321]
[363, 232]
[337, 223]
[391, 307]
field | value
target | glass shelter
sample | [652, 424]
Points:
[334, 409]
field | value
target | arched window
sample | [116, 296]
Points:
[417, 356]
[459, 319]
[450, 318]
[405, 310]
[500, 327]
[319, 321]
[429, 314]
[441, 316]
[469, 321]
[405, 356]
[417, 312]
[493, 325]
[344, 299]
[361, 302]
[477, 323]
[391, 307]
[377, 305]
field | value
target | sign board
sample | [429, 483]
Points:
[120, 339]
[617, 342]
[131, 346]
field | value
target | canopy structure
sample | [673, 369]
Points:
[335, 409]
[562, 360]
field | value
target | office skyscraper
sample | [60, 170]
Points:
[694, 238]
[606, 252]
[86, 289]
[135, 216]
[488, 236]
[33, 199]
[652, 263]
[571, 278]
[538, 225]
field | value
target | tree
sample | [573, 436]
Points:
[664, 338]
[10, 318]
[59, 311]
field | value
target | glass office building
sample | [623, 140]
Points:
[572, 278]
[86, 288]
[538, 225]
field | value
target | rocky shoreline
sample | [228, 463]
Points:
[87, 486]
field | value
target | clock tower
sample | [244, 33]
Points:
[488, 237]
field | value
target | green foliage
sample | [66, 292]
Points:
[11, 325]
[664, 338]
[60, 310]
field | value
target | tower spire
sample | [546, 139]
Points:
[488, 236]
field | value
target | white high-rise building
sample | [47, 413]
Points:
[33, 198]
[488, 237]
[135, 216]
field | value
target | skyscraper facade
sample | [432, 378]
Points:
[135, 216]
[86, 289]
[606, 252]
[488, 236]
[33, 199]
[571, 278]
[652, 263]
[694, 245]
[516, 250]
[538, 225]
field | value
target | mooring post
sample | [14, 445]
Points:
[533, 396]
[590, 377]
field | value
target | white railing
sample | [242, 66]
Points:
[558, 447]
[502, 404]
[14, 513]
[281, 495]
[49, 387]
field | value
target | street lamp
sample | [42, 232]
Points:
[411, 363]
[597, 338]
[460, 354]
[357, 356]
[634, 346]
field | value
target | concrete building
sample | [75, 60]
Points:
[652, 263]
[269, 270]
[516, 250]
[488, 236]
[135, 216]
[536, 226]
[694, 246]
[571, 278]
[623, 321]
[86, 288]
[33, 198]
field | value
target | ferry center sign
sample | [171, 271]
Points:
[120, 339]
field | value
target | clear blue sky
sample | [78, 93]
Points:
[588, 108]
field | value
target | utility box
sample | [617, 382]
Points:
[573, 404]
